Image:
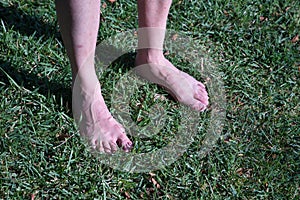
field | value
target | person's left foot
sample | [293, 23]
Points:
[183, 87]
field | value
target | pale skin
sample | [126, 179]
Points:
[79, 24]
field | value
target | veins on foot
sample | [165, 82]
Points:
[183, 87]
[96, 123]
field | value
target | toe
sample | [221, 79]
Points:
[106, 147]
[100, 147]
[93, 143]
[203, 98]
[202, 90]
[199, 107]
[113, 147]
[124, 142]
[201, 85]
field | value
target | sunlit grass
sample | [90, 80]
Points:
[42, 156]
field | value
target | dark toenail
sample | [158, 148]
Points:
[119, 142]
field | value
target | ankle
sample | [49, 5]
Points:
[149, 55]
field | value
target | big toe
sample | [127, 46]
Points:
[202, 98]
[124, 142]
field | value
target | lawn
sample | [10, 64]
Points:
[255, 47]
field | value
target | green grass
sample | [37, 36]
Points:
[257, 157]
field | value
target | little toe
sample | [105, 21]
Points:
[100, 147]
[199, 107]
[92, 141]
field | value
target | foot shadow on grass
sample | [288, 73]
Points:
[13, 18]
[40, 84]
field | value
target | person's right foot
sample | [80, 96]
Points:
[97, 125]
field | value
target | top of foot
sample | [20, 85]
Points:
[183, 87]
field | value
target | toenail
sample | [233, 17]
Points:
[127, 147]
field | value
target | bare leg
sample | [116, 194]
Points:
[79, 24]
[151, 63]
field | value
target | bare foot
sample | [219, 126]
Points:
[96, 123]
[183, 87]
